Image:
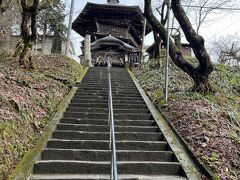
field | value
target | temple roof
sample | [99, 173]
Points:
[111, 40]
[113, 1]
[131, 15]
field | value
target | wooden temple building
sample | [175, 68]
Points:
[112, 32]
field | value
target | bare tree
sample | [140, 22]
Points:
[199, 74]
[227, 49]
[202, 10]
[162, 11]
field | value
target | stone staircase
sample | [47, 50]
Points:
[79, 147]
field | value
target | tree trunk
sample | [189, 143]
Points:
[200, 74]
[158, 41]
[44, 36]
[156, 51]
[25, 35]
[201, 84]
[28, 15]
[196, 41]
[1, 1]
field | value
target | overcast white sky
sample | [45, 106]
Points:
[228, 23]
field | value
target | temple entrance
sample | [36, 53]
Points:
[110, 49]
[115, 58]
[101, 58]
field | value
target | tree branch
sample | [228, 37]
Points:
[199, 74]
[175, 53]
[196, 41]
[4, 8]
[34, 12]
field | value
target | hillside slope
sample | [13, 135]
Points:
[28, 100]
[209, 124]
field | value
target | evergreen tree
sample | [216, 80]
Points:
[51, 23]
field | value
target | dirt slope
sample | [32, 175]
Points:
[28, 100]
[209, 124]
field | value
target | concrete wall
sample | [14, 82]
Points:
[41, 49]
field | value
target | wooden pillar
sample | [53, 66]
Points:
[127, 64]
[87, 51]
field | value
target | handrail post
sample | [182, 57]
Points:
[112, 143]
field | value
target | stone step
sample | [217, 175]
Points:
[97, 90]
[100, 89]
[105, 93]
[100, 155]
[122, 116]
[88, 93]
[105, 86]
[130, 136]
[114, 90]
[105, 110]
[88, 105]
[138, 167]
[105, 80]
[103, 177]
[106, 97]
[104, 145]
[76, 100]
[104, 128]
[105, 122]
[105, 105]
[105, 89]
[95, 95]
[79, 147]
[104, 83]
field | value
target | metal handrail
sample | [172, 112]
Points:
[112, 143]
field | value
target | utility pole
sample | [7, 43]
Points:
[143, 36]
[167, 49]
[69, 28]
